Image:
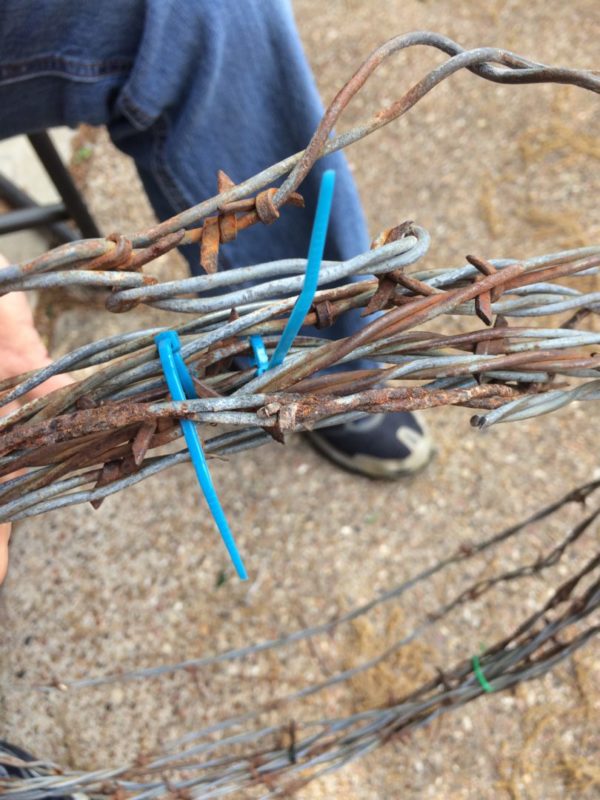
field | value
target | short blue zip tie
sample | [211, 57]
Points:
[180, 384]
[311, 281]
[261, 359]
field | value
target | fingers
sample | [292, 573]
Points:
[4, 537]
[21, 346]
[21, 350]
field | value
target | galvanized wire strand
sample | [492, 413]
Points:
[524, 408]
[79, 277]
[395, 255]
[386, 258]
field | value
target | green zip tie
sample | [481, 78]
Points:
[483, 681]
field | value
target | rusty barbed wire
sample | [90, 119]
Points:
[100, 431]
[96, 437]
[232, 205]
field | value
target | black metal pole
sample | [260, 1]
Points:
[78, 211]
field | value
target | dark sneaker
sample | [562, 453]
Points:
[390, 445]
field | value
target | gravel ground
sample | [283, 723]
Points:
[493, 170]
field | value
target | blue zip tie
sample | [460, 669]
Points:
[189, 390]
[261, 359]
[313, 265]
[177, 377]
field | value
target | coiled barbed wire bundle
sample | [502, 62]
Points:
[97, 436]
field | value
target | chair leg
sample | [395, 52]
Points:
[20, 200]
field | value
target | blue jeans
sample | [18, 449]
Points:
[185, 87]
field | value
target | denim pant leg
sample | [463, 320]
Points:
[186, 87]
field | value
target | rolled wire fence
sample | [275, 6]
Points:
[96, 437]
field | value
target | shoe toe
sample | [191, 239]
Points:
[387, 445]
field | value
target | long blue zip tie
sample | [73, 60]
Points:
[180, 384]
[313, 265]
[309, 287]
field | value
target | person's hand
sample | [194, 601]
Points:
[21, 349]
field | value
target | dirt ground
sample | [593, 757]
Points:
[498, 171]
